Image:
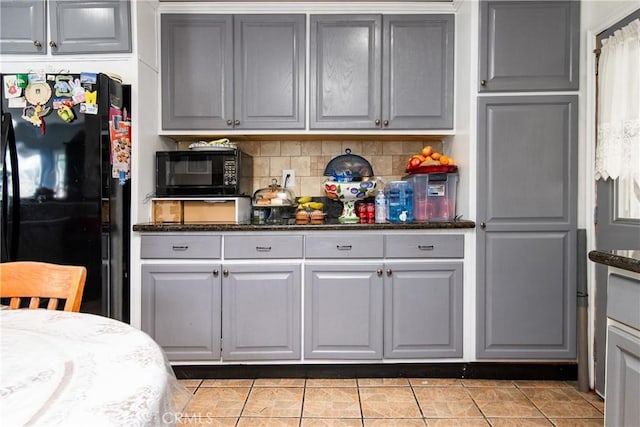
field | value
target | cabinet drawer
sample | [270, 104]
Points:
[179, 246]
[344, 246]
[262, 246]
[424, 246]
[623, 298]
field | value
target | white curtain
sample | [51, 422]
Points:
[618, 144]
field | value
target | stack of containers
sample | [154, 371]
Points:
[434, 195]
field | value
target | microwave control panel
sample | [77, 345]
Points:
[230, 176]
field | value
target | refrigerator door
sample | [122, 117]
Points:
[10, 190]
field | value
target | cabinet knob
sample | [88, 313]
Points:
[37, 44]
[483, 82]
[237, 123]
[52, 44]
[389, 272]
[379, 272]
[229, 122]
[377, 122]
[216, 272]
[483, 225]
[225, 272]
[385, 123]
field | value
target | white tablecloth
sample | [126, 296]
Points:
[76, 369]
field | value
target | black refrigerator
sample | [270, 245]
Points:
[60, 202]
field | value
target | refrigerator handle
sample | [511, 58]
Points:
[9, 147]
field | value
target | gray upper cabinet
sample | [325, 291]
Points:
[529, 45]
[197, 71]
[527, 211]
[226, 72]
[23, 27]
[77, 27]
[381, 71]
[261, 312]
[417, 84]
[269, 71]
[181, 309]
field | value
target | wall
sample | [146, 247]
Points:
[308, 158]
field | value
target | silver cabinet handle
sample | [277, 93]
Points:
[225, 272]
[343, 247]
[37, 44]
[386, 123]
[377, 122]
[389, 272]
[180, 248]
[237, 123]
[426, 247]
[52, 44]
[483, 225]
[263, 248]
[379, 272]
[483, 82]
[229, 122]
[216, 272]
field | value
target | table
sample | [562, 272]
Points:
[64, 368]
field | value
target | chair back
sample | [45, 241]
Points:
[36, 280]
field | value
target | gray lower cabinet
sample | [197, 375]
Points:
[423, 310]
[529, 45]
[381, 71]
[623, 378]
[261, 312]
[181, 309]
[527, 212]
[343, 311]
[77, 27]
[244, 71]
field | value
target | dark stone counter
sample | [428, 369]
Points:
[167, 227]
[624, 259]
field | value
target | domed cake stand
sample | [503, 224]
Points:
[348, 193]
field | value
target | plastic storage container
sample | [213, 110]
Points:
[434, 196]
[399, 196]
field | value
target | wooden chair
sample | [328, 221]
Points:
[36, 280]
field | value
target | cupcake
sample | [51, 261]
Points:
[302, 217]
[317, 217]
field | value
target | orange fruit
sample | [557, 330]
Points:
[444, 160]
[435, 156]
[426, 151]
[451, 161]
[428, 159]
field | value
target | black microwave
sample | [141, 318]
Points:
[226, 172]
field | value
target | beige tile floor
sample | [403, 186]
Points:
[388, 402]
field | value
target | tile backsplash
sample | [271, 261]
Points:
[308, 158]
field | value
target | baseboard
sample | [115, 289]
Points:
[477, 370]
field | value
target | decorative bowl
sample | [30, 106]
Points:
[348, 193]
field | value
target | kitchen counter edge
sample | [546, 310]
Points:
[169, 227]
[625, 260]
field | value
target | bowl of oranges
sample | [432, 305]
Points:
[430, 161]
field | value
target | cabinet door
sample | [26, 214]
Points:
[527, 210]
[80, 27]
[417, 88]
[529, 45]
[261, 312]
[345, 76]
[423, 310]
[197, 67]
[343, 311]
[623, 378]
[23, 27]
[181, 309]
[269, 71]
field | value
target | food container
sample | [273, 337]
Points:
[434, 196]
[274, 196]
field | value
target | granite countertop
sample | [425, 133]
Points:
[623, 259]
[172, 227]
